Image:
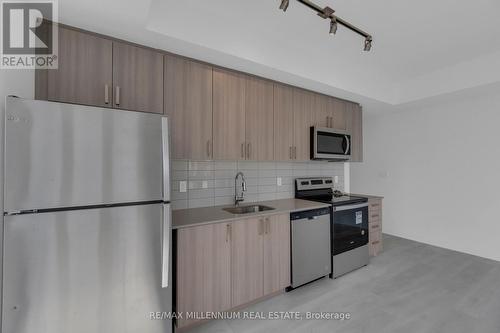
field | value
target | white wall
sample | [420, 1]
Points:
[438, 167]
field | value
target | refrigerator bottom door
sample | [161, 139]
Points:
[95, 270]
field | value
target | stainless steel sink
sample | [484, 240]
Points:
[247, 209]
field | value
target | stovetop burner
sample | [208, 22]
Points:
[320, 189]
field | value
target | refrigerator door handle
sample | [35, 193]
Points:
[166, 159]
[165, 252]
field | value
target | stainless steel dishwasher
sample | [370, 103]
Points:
[311, 246]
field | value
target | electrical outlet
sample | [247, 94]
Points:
[336, 179]
[183, 186]
[279, 181]
[204, 184]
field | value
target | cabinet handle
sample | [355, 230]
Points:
[106, 94]
[228, 233]
[117, 100]
[268, 226]
[375, 243]
[375, 215]
[295, 152]
[375, 226]
[243, 150]
[249, 154]
[208, 148]
[331, 122]
[290, 152]
[261, 227]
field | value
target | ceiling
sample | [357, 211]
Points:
[421, 48]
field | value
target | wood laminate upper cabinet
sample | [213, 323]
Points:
[259, 121]
[283, 122]
[322, 114]
[341, 113]
[276, 253]
[188, 105]
[203, 269]
[84, 75]
[228, 115]
[247, 260]
[356, 130]
[137, 78]
[303, 104]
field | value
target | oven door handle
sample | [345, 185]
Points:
[350, 207]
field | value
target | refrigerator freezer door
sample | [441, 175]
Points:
[65, 155]
[93, 270]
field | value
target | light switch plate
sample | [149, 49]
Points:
[336, 179]
[279, 182]
[183, 186]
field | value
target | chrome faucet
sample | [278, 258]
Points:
[241, 197]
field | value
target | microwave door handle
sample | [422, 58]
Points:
[348, 145]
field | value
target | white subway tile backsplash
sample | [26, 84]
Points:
[226, 165]
[179, 175]
[201, 174]
[206, 202]
[179, 165]
[179, 204]
[201, 165]
[212, 182]
[229, 200]
[201, 194]
[224, 192]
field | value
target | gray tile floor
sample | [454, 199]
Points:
[410, 288]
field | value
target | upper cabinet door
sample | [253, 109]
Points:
[137, 78]
[322, 115]
[84, 75]
[188, 105]
[356, 130]
[259, 119]
[229, 115]
[283, 122]
[341, 113]
[303, 104]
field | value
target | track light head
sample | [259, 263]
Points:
[284, 5]
[333, 26]
[368, 44]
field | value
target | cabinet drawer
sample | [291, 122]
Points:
[375, 215]
[375, 227]
[375, 248]
[375, 236]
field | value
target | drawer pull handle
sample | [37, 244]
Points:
[375, 243]
[375, 226]
[375, 215]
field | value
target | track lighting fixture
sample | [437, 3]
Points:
[333, 26]
[368, 44]
[328, 13]
[284, 5]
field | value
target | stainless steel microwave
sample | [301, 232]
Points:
[330, 144]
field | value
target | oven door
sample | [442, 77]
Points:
[350, 227]
[330, 144]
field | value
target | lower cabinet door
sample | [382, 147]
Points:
[246, 260]
[276, 253]
[203, 269]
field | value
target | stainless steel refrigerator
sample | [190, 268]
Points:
[87, 232]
